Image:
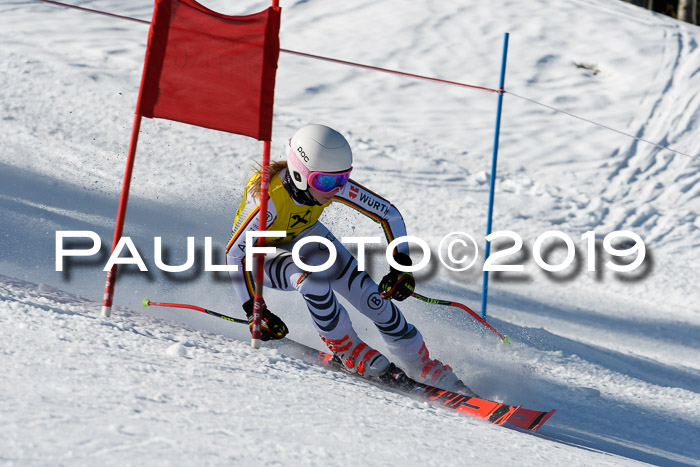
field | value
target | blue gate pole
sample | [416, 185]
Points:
[487, 251]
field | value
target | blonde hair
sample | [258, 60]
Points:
[256, 179]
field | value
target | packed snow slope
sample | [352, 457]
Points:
[617, 354]
[133, 390]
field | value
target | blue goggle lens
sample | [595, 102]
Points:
[329, 182]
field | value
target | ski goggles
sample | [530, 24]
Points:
[325, 182]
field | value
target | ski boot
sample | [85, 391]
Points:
[357, 356]
[435, 373]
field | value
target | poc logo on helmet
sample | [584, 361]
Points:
[302, 154]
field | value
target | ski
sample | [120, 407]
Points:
[527, 419]
[493, 412]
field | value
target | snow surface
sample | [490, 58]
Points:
[617, 355]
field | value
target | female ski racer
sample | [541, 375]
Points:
[315, 174]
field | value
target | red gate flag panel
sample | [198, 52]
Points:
[211, 70]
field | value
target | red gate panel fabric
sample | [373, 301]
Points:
[211, 70]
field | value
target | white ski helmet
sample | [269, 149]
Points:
[317, 148]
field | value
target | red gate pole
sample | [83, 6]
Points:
[126, 184]
[260, 257]
[121, 213]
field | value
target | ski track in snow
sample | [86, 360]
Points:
[616, 354]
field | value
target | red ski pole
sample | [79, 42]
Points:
[148, 303]
[505, 339]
